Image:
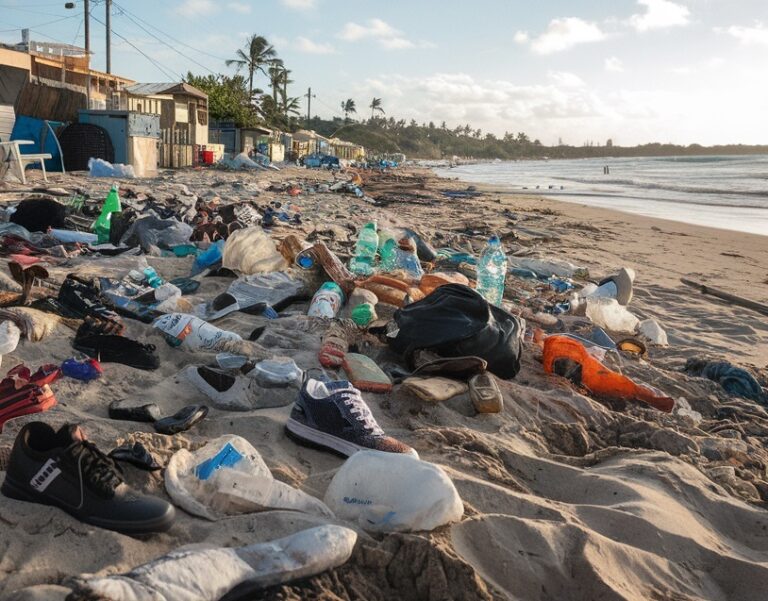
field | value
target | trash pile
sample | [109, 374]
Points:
[431, 316]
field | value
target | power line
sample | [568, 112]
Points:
[38, 25]
[169, 36]
[140, 51]
[124, 13]
[34, 12]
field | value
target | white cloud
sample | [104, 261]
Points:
[659, 14]
[522, 37]
[562, 34]
[376, 28]
[614, 64]
[757, 34]
[565, 79]
[300, 4]
[194, 8]
[382, 32]
[308, 46]
[239, 7]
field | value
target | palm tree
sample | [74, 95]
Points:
[275, 74]
[347, 107]
[257, 53]
[376, 106]
[291, 106]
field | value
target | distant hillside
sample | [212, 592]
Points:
[430, 141]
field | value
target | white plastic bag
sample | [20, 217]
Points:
[102, 168]
[9, 337]
[651, 329]
[193, 334]
[228, 477]
[609, 314]
[251, 250]
[393, 492]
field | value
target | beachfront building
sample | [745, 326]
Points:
[183, 112]
[51, 81]
[347, 150]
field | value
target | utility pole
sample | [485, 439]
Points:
[309, 96]
[109, 35]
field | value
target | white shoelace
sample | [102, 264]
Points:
[360, 410]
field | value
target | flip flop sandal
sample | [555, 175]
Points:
[149, 413]
[137, 455]
[182, 420]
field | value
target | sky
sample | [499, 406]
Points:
[635, 71]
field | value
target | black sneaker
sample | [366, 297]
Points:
[108, 348]
[65, 470]
[333, 416]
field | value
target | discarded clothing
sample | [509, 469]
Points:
[734, 380]
[209, 574]
[149, 232]
[39, 214]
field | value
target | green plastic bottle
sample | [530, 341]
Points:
[102, 225]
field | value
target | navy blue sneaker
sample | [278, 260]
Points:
[333, 416]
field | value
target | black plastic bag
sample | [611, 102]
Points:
[456, 321]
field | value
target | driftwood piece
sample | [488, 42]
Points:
[727, 296]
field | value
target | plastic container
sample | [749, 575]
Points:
[208, 157]
[276, 373]
[393, 492]
[609, 314]
[327, 301]
[101, 226]
[492, 272]
[363, 314]
[365, 251]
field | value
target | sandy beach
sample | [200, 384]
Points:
[564, 497]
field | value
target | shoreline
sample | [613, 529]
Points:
[741, 217]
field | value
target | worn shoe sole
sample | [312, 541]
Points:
[322, 440]
[163, 523]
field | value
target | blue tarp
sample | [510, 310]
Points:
[37, 130]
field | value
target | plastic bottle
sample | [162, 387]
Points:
[365, 250]
[388, 255]
[327, 301]
[407, 259]
[492, 271]
[102, 224]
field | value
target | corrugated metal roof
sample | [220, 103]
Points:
[154, 89]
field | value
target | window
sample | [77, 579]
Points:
[202, 117]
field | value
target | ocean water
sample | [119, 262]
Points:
[726, 192]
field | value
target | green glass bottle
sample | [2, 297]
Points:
[102, 224]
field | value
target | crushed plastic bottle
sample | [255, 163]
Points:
[365, 250]
[102, 225]
[492, 272]
[152, 278]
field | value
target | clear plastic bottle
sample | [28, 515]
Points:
[365, 250]
[103, 223]
[492, 271]
[407, 259]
